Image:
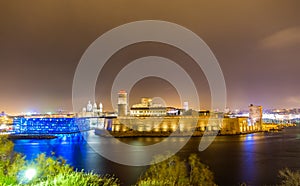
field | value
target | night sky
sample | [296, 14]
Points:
[257, 44]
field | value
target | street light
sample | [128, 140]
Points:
[30, 173]
[25, 176]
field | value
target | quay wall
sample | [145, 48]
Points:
[176, 125]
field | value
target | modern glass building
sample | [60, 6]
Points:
[28, 125]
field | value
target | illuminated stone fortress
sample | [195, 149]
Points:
[147, 116]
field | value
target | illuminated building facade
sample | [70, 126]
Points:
[185, 106]
[206, 121]
[165, 124]
[255, 116]
[122, 103]
[236, 125]
[43, 125]
[91, 110]
[148, 109]
[5, 122]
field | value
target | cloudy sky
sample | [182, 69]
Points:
[257, 44]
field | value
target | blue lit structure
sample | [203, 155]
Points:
[24, 125]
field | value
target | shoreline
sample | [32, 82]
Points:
[30, 136]
[135, 134]
[39, 136]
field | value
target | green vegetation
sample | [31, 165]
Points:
[10, 162]
[55, 172]
[173, 171]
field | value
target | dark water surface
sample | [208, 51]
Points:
[253, 158]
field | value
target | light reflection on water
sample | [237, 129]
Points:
[252, 158]
[248, 167]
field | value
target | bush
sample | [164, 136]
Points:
[11, 163]
[78, 178]
[289, 178]
[55, 172]
[173, 171]
[199, 173]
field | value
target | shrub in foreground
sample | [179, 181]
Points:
[173, 171]
[78, 178]
[289, 178]
[55, 172]
[11, 163]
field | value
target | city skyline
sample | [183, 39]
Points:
[256, 44]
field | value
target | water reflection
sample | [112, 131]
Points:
[68, 146]
[252, 158]
[248, 165]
